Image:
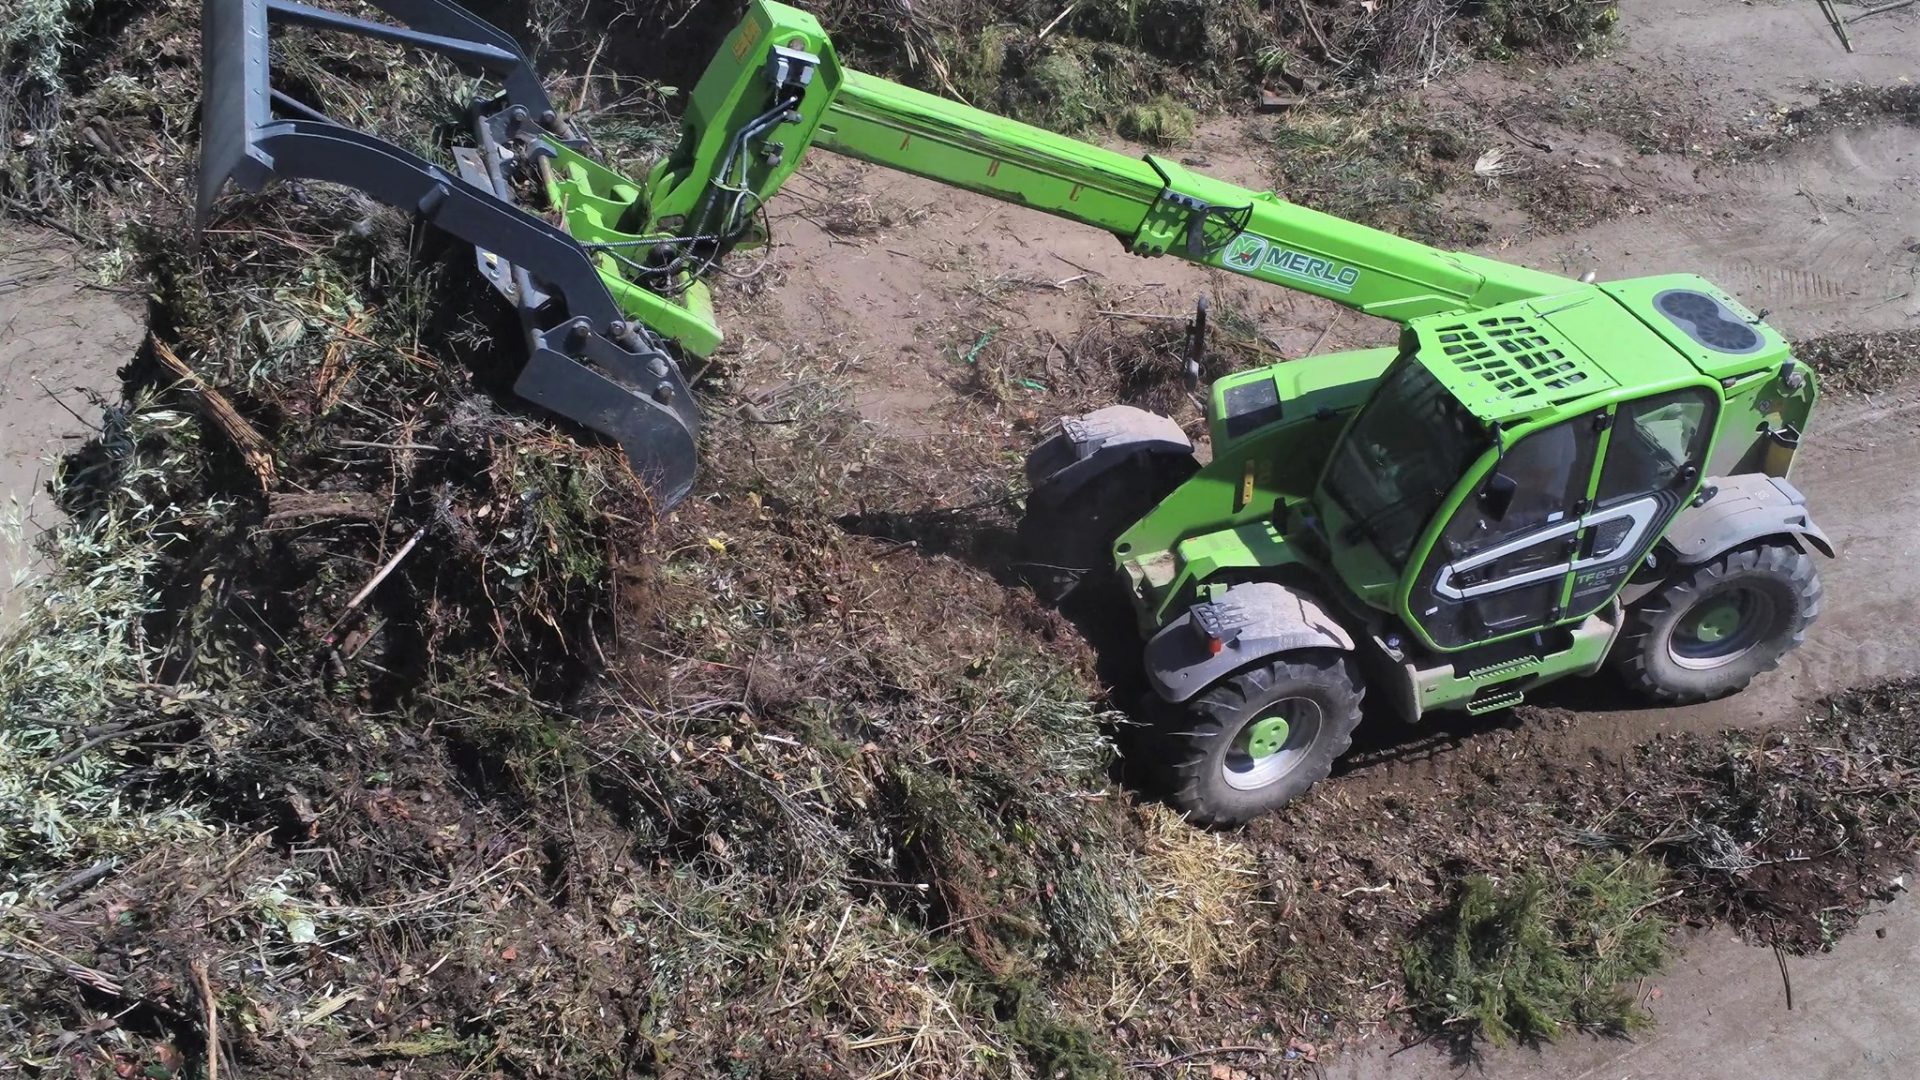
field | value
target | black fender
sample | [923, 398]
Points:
[1250, 622]
[1739, 510]
[1087, 446]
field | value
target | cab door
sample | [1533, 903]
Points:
[1586, 500]
[1651, 463]
[1502, 562]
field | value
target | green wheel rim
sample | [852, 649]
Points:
[1721, 628]
[1716, 622]
[1267, 736]
[1271, 745]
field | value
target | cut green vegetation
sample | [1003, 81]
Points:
[1550, 950]
[1162, 122]
[1384, 162]
[35, 37]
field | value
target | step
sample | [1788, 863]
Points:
[1495, 701]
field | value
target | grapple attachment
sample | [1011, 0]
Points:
[589, 360]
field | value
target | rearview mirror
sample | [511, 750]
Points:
[1496, 496]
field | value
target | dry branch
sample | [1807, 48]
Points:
[252, 447]
[373, 583]
[212, 1015]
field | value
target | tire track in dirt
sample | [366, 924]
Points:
[1824, 235]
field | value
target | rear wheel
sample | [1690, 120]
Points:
[1262, 738]
[1066, 539]
[1708, 632]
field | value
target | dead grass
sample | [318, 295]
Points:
[1200, 921]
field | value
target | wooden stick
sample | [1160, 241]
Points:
[586, 81]
[1064, 12]
[253, 448]
[1786, 981]
[212, 1016]
[374, 583]
[1324, 334]
[1314, 27]
[1881, 8]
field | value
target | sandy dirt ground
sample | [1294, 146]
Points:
[59, 340]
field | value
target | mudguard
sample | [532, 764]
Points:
[1742, 509]
[1249, 623]
[1089, 445]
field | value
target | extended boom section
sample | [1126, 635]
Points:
[612, 272]
[777, 88]
[1159, 207]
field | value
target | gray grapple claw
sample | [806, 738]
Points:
[587, 362]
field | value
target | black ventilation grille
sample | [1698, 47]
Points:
[1708, 322]
[1512, 355]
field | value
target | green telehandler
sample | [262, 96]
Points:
[1543, 477]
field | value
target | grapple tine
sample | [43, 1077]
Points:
[235, 98]
[658, 440]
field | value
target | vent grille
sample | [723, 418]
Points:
[1512, 356]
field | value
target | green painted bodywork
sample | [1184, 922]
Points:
[1445, 686]
[594, 200]
[1185, 540]
[1147, 203]
[1522, 351]
[1266, 736]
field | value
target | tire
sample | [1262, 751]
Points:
[1219, 778]
[1063, 541]
[1708, 631]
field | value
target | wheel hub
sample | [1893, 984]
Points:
[1717, 622]
[1271, 746]
[1721, 629]
[1266, 736]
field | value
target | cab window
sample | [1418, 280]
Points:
[1655, 441]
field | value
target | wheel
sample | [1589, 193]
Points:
[1258, 740]
[1708, 632]
[1064, 540]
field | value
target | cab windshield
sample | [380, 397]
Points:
[1411, 444]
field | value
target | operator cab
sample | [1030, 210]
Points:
[1515, 466]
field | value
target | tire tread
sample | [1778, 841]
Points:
[1218, 711]
[1642, 641]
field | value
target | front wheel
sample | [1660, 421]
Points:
[1709, 631]
[1260, 739]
